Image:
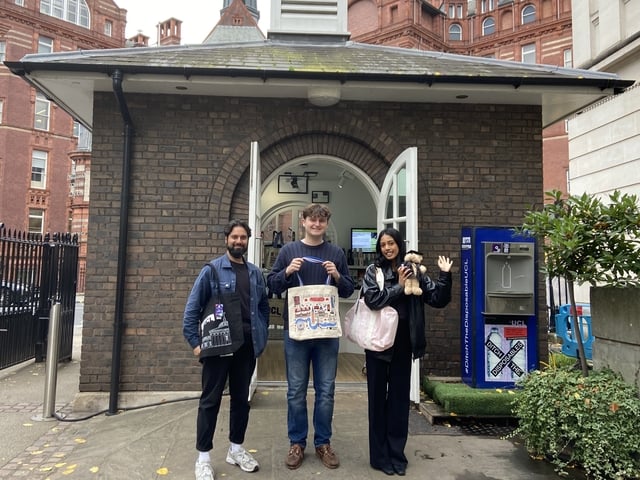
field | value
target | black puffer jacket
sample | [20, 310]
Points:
[410, 308]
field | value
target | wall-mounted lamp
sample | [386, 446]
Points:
[344, 176]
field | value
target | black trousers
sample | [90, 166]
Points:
[388, 390]
[215, 371]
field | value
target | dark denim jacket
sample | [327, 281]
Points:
[201, 292]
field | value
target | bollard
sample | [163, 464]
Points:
[51, 376]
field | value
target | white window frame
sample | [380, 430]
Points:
[486, 6]
[3, 50]
[36, 216]
[41, 113]
[486, 26]
[458, 32]
[528, 53]
[20, 3]
[528, 14]
[452, 10]
[45, 44]
[108, 28]
[39, 160]
[1, 109]
[459, 10]
[73, 11]
[567, 58]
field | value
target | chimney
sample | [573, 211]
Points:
[139, 40]
[169, 32]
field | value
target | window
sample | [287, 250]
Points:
[528, 14]
[529, 53]
[568, 58]
[42, 111]
[1, 109]
[74, 11]
[488, 26]
[38, 169]
[3, 50]
[36, 220]
[486, 6]
[459, 8]
[20, 3]
[455, 32]
[452, 10]
[108, 27]
[45, 44]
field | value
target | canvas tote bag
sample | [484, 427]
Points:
[221, 330]
[371, 329]
[314, 311]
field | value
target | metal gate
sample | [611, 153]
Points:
[35, 272]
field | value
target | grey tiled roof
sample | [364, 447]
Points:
[346, 60]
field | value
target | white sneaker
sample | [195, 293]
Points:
[243, 459]
[204, 471]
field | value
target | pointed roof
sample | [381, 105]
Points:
[236, 25]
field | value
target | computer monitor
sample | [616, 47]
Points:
[364, 239]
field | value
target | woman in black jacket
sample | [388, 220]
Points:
[389, 372]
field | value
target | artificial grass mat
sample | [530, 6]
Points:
[461, 399]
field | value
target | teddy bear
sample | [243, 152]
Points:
[413, 260]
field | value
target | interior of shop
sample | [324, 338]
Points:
[349, 194]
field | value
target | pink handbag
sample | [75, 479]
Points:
[371, 329]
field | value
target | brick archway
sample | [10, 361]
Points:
[369, 149]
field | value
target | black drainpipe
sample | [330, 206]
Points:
[118, 323]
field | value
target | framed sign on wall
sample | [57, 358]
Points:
[320, 196]
[293, 184]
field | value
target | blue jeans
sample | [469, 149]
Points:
[322, 355]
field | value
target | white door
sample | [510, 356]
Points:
[398, 208]
[254, 253]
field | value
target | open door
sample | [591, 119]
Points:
[254, 253]
[399, 209]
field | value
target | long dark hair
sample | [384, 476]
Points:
[382, 261]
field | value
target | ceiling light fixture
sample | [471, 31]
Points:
[323, 96]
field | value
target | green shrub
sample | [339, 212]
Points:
[592, 422]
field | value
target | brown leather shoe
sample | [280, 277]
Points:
[328, 456]
[294, 457]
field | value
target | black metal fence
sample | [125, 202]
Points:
[36, 271]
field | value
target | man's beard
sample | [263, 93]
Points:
[236, 252]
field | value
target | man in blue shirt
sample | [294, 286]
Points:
[310, 260]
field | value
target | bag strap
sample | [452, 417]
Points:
[313, 260]
[380, 278]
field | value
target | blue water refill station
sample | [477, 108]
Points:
[499, 306]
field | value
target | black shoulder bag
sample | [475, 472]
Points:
[221, 330]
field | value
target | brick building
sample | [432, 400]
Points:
[36, 135]
[530, 31]
[435, 141]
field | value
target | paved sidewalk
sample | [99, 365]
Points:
[158, 442]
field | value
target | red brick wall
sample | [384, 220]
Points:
[478, 165]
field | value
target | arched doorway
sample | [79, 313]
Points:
[352, 197]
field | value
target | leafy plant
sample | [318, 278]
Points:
[587, 240]
[593, 422]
